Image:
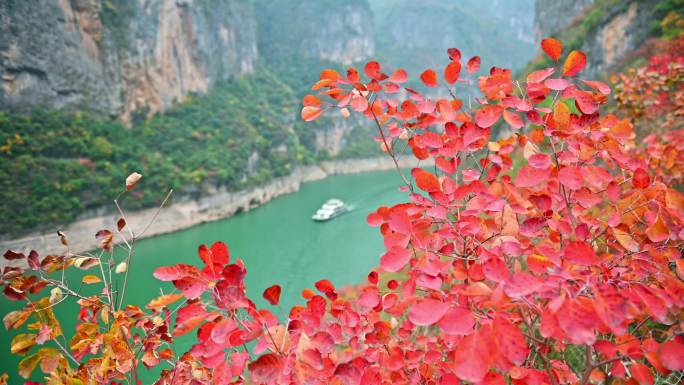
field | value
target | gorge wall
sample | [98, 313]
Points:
[119, 56]
[607, 31]
[115, 57]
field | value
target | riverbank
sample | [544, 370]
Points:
[182, 213]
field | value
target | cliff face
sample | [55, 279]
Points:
[608, 31]
[499, 31]
[552, 16]
[119, 56]
[334, 31]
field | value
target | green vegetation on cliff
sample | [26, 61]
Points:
[56, 164]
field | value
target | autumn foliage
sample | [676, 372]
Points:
[653, 94]
[510, 255]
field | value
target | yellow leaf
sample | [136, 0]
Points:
[22, 343]
[14, 319]
[626, 240]
[163, 300]
[90, 279]
[27, 365]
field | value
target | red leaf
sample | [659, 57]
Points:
[399, 76]
[522, 284]
[452, 71]
[395, 259]
[266, 368]
[359, 103]
[529, 176]
[598, 86]
[399, 221]
[427, 311]
[570, 177]
[172, 273]
[514, 120]
[457, 321]
[374, 219]
[578, 320]
[585, 102]
[511, 341]
[496, 270]
[580, 253]
[641, 373]
[272, 294]
[540, 161]
[471, 359]
[641, 178]
[106, 239]
[372, 69]
[488, 115]
[429, 77]
[426, 180]
[12, 255]
[473, 64]
[189, 317]
[557, 84]
[454, 54]
[552, 47]
[324, 286]
[574, 63]
[540, 75]
[120, 224]
[671, 354]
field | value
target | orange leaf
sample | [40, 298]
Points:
[429, 77]
[399, 76]
[426, 180]
[329, 74]
[89, 279]
[311, 100]
[658, 231]
[452, 71]
[552, 47]
[561, 114]
[310, 113]
[163, 300]
[626, 240]
[132, 180]
[574, 63]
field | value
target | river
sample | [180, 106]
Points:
[278, 243]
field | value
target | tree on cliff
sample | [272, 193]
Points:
[551, 256]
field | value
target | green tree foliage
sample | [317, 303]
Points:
[67, 163]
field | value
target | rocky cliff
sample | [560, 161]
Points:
[117, 56]
[328, 30]
[499, 31]
[553, 16]
[607, 30]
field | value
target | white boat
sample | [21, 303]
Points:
[330, 209]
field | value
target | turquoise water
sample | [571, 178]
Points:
[278, 242]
